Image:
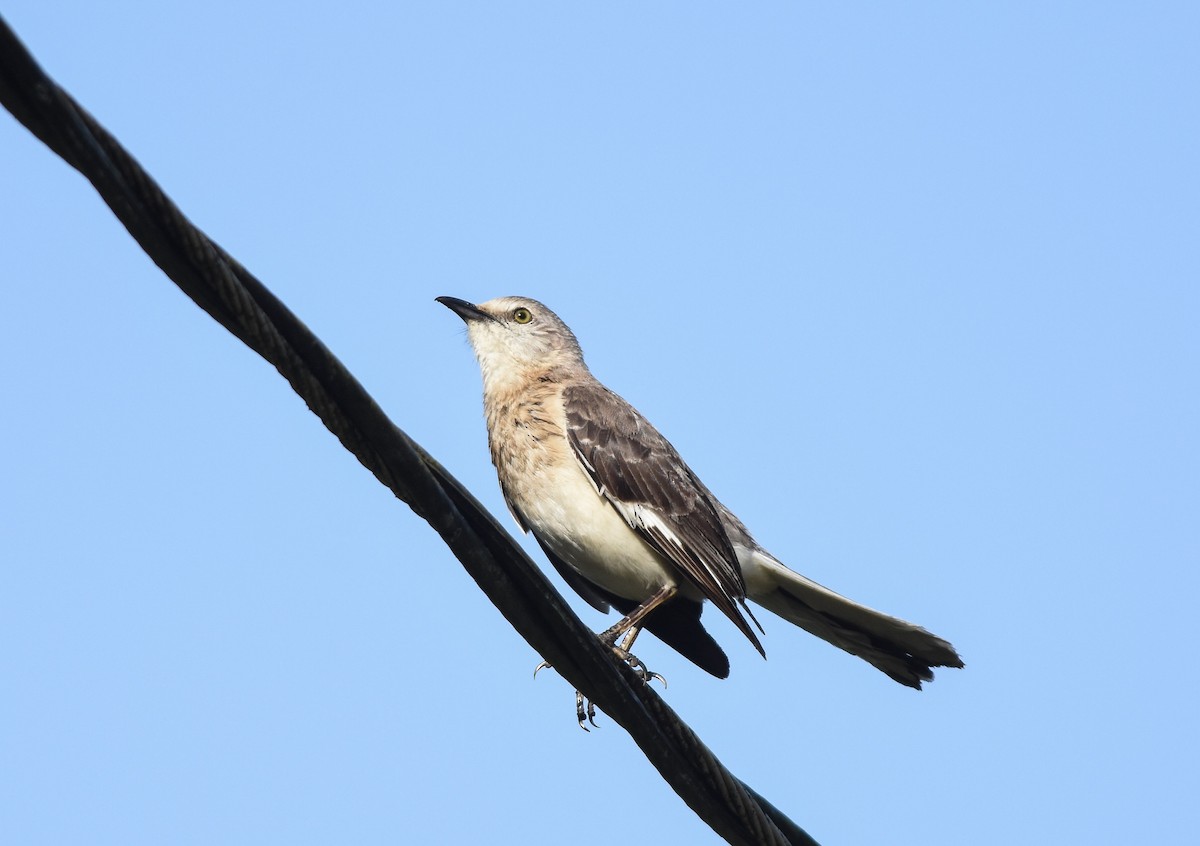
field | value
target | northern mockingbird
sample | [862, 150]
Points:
[629, 525]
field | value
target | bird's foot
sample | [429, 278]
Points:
[640, 670]
[585, 710]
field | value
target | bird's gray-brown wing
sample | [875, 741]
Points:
[638, 471]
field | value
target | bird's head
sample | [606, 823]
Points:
[514, 337]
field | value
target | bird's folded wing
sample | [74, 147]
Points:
[638, 471]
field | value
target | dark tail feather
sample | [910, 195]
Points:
[677, 624]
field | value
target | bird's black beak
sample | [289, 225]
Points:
[467, 311]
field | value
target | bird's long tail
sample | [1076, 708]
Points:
[905, 652]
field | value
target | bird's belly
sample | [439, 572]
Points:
[584, 530]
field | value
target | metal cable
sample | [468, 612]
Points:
[244, 306]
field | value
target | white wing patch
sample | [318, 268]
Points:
[638, 514]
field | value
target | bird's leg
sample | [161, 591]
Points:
[634, 618]
[630, 627]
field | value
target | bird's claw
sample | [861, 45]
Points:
[584, 710]
[640, 670]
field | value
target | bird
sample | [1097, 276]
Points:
[627, 523]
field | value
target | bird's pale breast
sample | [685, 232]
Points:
[555, 499]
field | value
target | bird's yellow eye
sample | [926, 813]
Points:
[522, 315]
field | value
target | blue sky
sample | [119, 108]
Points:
[913, 288]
